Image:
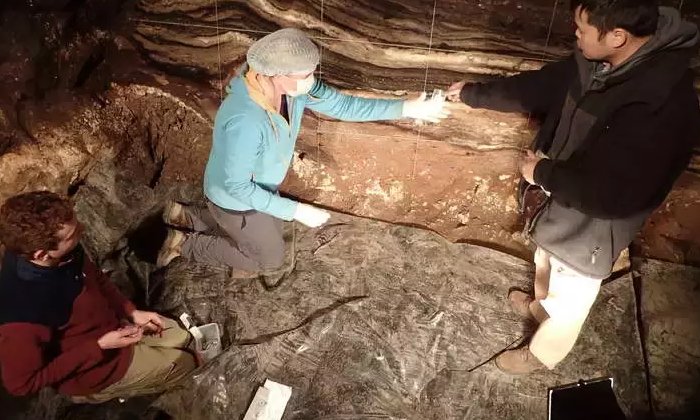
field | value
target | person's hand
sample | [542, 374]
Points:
[149, 321]
[310, 216]
[455, 90]
[124, 336]
[423, 109]
[527, 164]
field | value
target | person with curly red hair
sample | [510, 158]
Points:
[64, 324]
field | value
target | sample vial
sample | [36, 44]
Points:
[438, 95]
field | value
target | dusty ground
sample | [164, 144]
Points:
[374, 320]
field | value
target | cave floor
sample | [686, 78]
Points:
[376, 320]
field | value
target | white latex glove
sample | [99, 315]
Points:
[432, 109]
[310, 215]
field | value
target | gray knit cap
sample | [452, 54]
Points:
[283, 52]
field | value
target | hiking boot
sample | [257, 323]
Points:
[518, 362]
[171, 249]
[174, 215]
[520, 302]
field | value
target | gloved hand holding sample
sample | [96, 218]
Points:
[423, 109]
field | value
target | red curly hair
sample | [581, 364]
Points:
[29, 222]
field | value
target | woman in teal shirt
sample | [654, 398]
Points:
[255, 131]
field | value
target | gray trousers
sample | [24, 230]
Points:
[247, 240]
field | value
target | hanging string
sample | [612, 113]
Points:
[425, 87]
[218, 50]
[320, 76]
[542, 58]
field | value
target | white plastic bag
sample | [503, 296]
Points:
[269, 402]
[207, 338]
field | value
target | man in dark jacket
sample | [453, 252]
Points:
[619, 121]
[64, 324]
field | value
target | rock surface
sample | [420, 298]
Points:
[457, 178]
[383, 320]
[375, 319]
[671, 323]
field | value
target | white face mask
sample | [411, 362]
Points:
[303, 86]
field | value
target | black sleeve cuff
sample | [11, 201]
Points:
[469, 94]
[543, 172]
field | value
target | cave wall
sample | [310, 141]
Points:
[64, 114]
[457, 178]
